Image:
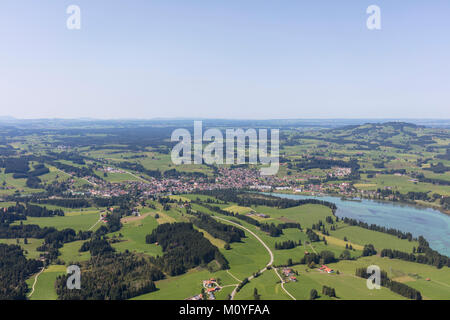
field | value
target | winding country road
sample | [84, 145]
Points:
[268, 264]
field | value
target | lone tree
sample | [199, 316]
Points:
[313, 294]
[256, 296]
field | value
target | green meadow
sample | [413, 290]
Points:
[306, 215]
[413, 274]
[29, 248]
[186, 285]
[45, 284]
[77, 220]
[246, 257]
[268, 286]
[70, 253]
[380, 240]
[134, 233]
[347, 286]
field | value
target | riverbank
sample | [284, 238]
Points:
[427, 222]
[419, 204]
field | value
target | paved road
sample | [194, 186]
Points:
[268, 264]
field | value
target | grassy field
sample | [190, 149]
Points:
[15, 185]
[249, 256]
[411, 273]
[29, 248]
[246, 257]
[306, 215]
[44, 288]
[238, 209]
[403, 184]
[77, 220]
[303, 216]
[347, 286]
[380, 240]
[70, 253]
[117, 176]
[134, 233]
[186, 285]
[268, 286]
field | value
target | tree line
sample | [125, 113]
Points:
[289, 244]
[374, 227]
[217, 229]
[183, 247]
[394, 286]
[112, 276]
[15, 268]
[422, 254]
[247, 199]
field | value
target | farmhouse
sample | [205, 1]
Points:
[287, 272]
[326, 269]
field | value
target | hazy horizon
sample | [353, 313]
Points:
[7, 117]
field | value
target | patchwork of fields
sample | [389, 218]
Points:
[248, 256]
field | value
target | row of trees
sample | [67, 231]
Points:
[289, 244]
[428, 256]
[328, 291]
[394, 286]
[248, 199]
[72, 203]
[374, 227]
[312, 259]
[31, 210]
[218, 230]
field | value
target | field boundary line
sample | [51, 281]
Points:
[235, 278]
[99, 219]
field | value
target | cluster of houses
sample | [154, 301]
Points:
[210, 287]
[290, 274]
[226, 178]
[340, 172]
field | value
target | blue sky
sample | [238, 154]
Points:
[225, 59]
